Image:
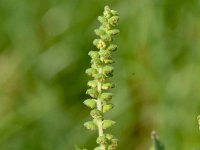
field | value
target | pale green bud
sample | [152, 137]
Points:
[113, 20]
[96, 41]
[97, 148]
[107, 107]
[112, 47]
[108, 69]
[97, 62]
[102, 19]
[109, 136]
[91, 103]
[106, 96]
[91, 72]
[101, 140]
[114, 141]
[99, 32]
[107, 86]
[107, 12]
[100, 77]
[106, 26]
[92, 83]
[95, 113]
[107, 38]
[100, 44]
[113, 32]
[114, 13]
[108, 123]
[90, 125]
[108, 61]
[92, 92]
[112, 147]
[107, 8]
[94, 54]
[105, 54]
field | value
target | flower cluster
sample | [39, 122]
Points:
[101, 70]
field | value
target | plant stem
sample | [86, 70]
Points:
[99, 107]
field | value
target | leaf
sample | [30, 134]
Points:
[157, 145]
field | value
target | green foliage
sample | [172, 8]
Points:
[101, 69]
[157, 145]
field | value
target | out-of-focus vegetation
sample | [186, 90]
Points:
[43, 56]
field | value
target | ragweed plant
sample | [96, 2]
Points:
[101, 70]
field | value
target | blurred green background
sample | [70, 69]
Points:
[43, 57]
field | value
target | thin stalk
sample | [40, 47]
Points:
[99, 107]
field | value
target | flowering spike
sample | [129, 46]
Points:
[101, 70]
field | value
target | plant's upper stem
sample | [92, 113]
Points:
[99, 107]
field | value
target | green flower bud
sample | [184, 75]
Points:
[106, 96]
[107, 13]
[114, 13]
[100, 44]
[108, 69]
[96, 41]
[91, 72]
[112, 47]
[113, 20]
[102, 19]
[101, 140]
[100, 77]
[94, 54]
[108, 123]
[95, 113]
[105, 54]
[113, 32]
[109, 136]
[92, 92]
[112, 147]
[107, 38]
[107, 107]
[107, 86]
[92, 83]
[97, 148]
[97, 62]
[91, 103]
[108, 61]
[106, 26]
[90, 125]
[99, 32]
[114, 141]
